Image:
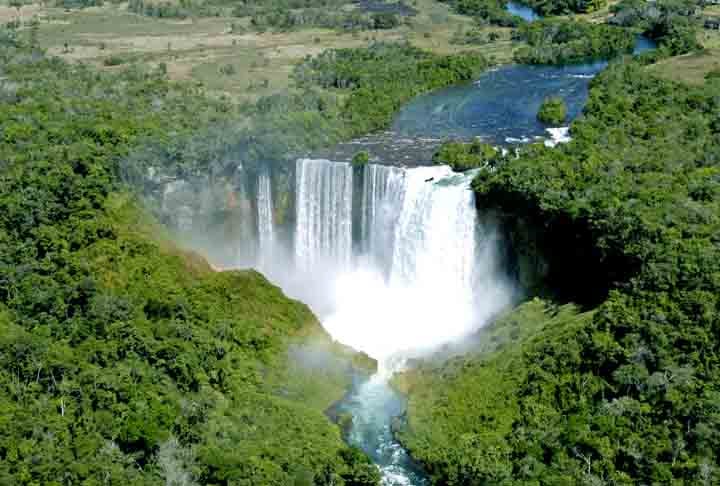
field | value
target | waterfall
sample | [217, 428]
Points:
[266, 230]
[435, 239]
[323, 231]
[383, 191]
[433, 274]
[426, 271]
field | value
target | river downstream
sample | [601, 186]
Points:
[393, 256]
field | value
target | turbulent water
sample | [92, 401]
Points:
[266, 229]
[382, 197]
[323, 234]
[383, 254]
[374, 405]
[396, 262]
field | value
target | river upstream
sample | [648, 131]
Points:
[393, 256]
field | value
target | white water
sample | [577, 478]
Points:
[444, 279]
[425, 272]
[266, 229]
[557, 136]
[383, 192]
[374, 406]
[428, 272]
[323, 233]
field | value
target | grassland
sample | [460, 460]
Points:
[692, 68]
[207, 51]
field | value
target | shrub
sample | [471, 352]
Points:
[462, 156]
[227, 70]
[114, 60]
[385, 20]
[552, 111]
[360, 158]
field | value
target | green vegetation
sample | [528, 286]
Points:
[462, 412]
[465, 156]
[360, 158]
[253, 7]
[277, 15]
[124, 359]
[567, 42]
[381, 78]
[494, 11]
[627, 216]
[552, 111]
[168, 10]
[486, 12]
[341, 93]
[691, 68]
[475, 37]
[564, 7]
[140, 362]
[285, 20]
[671, 23]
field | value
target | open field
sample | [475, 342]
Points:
[692, 68]
[205, 50]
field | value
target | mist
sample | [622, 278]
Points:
[395, 261]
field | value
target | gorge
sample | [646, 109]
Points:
[383, 252]
[199, 290]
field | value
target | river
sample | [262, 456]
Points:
[393, 256]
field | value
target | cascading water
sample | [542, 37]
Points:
[430, 268]
[383, 191]
[323, 231]
[424, 273]
[266, 229]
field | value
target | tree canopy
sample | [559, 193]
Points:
[627, 392]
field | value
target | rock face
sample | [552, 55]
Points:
[206, 210]
[552, 258]
[531, 266]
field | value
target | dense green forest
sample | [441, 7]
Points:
[126, 359]
[564, 7]
[340, 94]
[568, 42]
[383, 77]
[123, 358]
[627, 215]
[462, 156]
[486, 12]
[494, 11]
[672, 23]
[553, 111]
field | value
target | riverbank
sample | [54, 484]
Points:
[553, 395]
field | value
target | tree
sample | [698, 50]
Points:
[385, 20]
[553, 111]
[360, 158]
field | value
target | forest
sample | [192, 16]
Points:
[276, 15]
[124, 358]
[569, 42]
[127, 359]
[672, 23]
[494, 11]
[625, 388]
